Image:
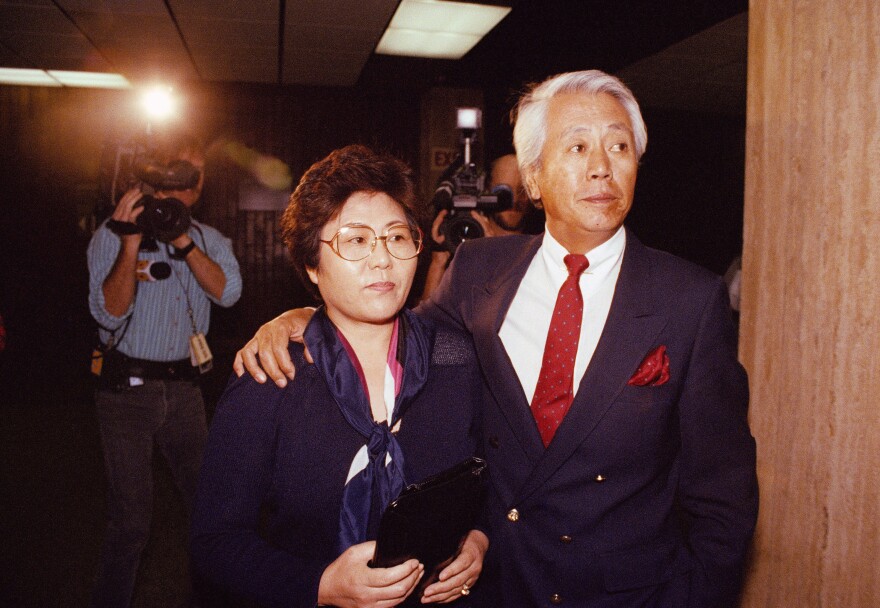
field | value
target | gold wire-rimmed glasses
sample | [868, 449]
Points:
[354, 243]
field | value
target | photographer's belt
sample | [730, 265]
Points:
[160, 370]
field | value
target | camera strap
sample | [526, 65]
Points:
[101, 349]
[123, 228]
[199, 352]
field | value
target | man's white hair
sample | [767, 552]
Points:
[530, 115]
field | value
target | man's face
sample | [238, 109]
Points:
[588, 169]
[190, 196]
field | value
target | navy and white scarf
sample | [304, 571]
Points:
[382, 474]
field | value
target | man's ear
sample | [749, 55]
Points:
[313, 274]
[531, 186]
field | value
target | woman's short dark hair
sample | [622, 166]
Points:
[326, 186]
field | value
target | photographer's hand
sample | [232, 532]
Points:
[490, 228]
[119, 286]
[125, 210]
[435, 227]
[206, 271]
[439, 259]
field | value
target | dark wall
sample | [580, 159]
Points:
[689, 196]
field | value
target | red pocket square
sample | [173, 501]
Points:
[653, 370]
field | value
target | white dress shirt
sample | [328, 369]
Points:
[524, 330]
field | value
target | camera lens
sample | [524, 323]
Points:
[163, 218]
[459, 228]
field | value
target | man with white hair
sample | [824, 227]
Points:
[615, 412]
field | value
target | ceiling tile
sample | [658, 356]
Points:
[10, 59]
[351, 13]
[256, 65]
[311, 36]
[35, 19]
[116, 7]
[323, 69]
[200, 31]
[252, 10]
[38, 45]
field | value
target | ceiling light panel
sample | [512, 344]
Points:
[97, 80]
[57, 78]
[19, 76]
[437, 29]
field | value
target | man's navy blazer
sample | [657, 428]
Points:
[647, 495]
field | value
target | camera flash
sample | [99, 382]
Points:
[469, 118]
[158, 102]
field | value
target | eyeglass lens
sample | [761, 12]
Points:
[356, 242]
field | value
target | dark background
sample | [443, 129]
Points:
[52, 147]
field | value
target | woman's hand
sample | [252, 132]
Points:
[462, 573]
[350, 583]
[269, 344]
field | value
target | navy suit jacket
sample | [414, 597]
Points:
[647, 495]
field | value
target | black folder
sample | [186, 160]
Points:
[430, 520]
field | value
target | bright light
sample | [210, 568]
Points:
[440, 30]
[468, 118]
[158, 102]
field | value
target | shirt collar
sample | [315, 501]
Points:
[603, 259]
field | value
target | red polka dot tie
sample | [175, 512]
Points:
[555, 390]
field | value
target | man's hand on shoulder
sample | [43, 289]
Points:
[266, 353]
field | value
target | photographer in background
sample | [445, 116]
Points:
[521, 218]
[153, 274]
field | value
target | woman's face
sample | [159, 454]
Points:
[371, 290]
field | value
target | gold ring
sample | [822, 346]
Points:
[465, 590]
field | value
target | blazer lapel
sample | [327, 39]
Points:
[491, 302]
[630, 331]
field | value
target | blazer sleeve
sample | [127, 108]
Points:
[235, 479]
[718, 488]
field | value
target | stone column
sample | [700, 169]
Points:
[810, 325]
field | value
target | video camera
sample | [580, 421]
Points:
[163, 219]
[462, 189]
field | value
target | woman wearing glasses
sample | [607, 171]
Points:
[390, 400]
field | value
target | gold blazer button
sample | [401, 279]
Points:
[513, 515]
